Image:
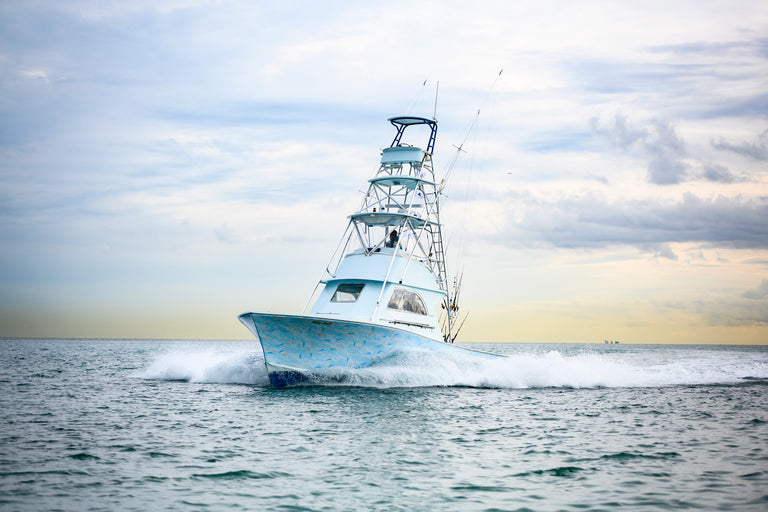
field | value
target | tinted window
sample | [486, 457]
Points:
[407, 301]
[347, 293]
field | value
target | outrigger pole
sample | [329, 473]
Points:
[434, 112]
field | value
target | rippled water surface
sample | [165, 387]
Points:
[167, 425]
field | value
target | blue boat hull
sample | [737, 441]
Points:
[296, 347]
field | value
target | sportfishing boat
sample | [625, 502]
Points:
[385, 289]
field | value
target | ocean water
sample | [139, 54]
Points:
[171, 425]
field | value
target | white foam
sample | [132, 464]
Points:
[209, 366]
[553, 369]
[522, 369]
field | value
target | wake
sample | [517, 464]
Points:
[522, 370]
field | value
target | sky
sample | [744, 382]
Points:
[166, 166]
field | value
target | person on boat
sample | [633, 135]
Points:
[393, 238]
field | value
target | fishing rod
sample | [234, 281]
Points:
[459, 327]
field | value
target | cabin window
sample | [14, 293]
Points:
[404, 300]
[347, 292]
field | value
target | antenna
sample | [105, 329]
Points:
[434, 113]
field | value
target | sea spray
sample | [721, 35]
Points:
[209, 366]
[524, 367]
[520, 371]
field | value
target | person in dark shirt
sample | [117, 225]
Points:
[393, 238]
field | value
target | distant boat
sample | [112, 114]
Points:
[385, 289]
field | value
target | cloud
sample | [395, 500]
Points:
[689, 80]
[35, 74]
[668, 160]
[746, 106]
[620, 135]
[755, 150]
[656, 141]
[659, 251]
[225, 235]
[666, 150]
[590, 220]
[730, 312]
[720, 174]
[758, 293]
[721, 48]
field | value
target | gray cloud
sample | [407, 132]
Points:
[592, 221]
[669, 162]
[620, 134]
[657, 142]
[748, 106]
[695, 80]
[734, 312]
[755, 150]
[722, 48]
[666, 150]
[659, 251]
[720, 174]
[758, 293]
